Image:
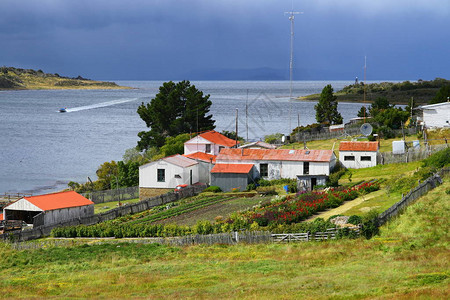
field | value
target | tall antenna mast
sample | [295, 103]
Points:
[291, 14]
[364, 100]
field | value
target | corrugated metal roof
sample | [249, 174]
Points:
[276, 154]
[358, 146]
[232, 168]
[202, 156]
[58, 200]
[259, 144]
[180, 160]
[218, 138]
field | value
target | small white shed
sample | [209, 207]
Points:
[168, 172]
[357, 155]
[436, 115]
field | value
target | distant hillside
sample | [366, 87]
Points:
[400, 93]
[28, 79]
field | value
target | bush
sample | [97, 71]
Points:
[338, 171]
[266, 190]
[251, 187]
[213, 189]
[370, 224]
[438, 160]
[355, 220]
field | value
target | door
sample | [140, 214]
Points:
[190, 177]
[313, 183]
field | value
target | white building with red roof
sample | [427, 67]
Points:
[309, 167]
[49, 209]
[357, 155]
[163, 175]
[210, 142]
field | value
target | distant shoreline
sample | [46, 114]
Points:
[13, 79]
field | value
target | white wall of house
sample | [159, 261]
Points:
[358, 159]
[284, 169]
[174, 175]
[199, 144]
[437, 115]
[204, 169]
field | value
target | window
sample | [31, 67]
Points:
[161, 176]
[306, 167]
[264, 170]
[178, 176]
[349, 158]
[220, 148]
[366, 158]
[208, 148]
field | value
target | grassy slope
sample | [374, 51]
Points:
[33, 82]
[409, 259]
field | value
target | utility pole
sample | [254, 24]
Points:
[364, 100]
[246, 114]
[237, 127]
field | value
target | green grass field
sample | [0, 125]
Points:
[410, 259]
[103, 207]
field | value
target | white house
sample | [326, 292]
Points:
[309, 167]
[210, 142]
[435, 115]
[49, 209]
[357, 155]
[165, 174]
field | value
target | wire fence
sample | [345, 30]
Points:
[410, 155]
[113, 195]
[429, 184]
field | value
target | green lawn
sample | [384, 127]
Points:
[103, 207]
[410, 259]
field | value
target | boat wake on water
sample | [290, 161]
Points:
[98, 105]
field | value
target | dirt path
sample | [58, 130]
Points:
[344, 207]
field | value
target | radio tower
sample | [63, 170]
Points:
[291, 14]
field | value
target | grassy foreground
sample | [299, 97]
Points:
[409, 259]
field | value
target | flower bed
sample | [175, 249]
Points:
[288, 210]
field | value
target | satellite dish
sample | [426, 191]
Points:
[366, 129]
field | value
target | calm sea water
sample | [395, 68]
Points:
[41, 150]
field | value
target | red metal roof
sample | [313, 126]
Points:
[275, 154]
[232, 168]
[358, 146]
[202, 156]
[218, 138]
[58, 200]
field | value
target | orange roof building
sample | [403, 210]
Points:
[205, 157]
[54, 208]
[358, 146]
[357, 155]
[210, 142]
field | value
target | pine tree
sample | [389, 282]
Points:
[326, 109]
[176, 109]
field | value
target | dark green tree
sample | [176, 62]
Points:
[380, 103]
[442, 95]
[176, 109]
[363, 112]
[326, 109]
[127, 174]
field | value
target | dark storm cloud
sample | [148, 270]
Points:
[177, 39]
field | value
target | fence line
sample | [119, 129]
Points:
[131, 208]
[113, 195]
[429, 184]
[410, 155]
[227, 238]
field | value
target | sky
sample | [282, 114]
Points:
[228, 39]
